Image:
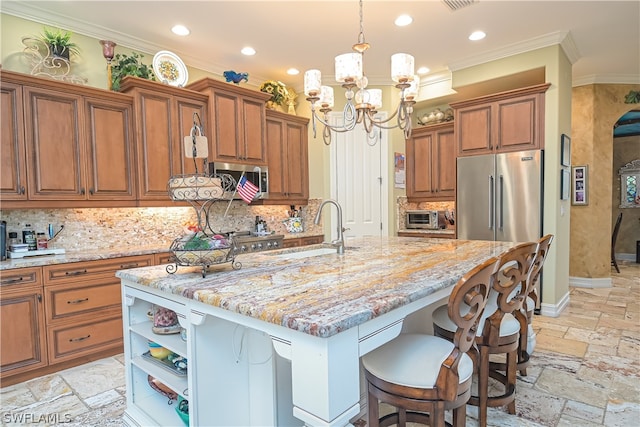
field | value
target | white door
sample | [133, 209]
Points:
[358, 181]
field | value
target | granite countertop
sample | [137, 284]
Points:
[324, 295]
[77, 256]
[115, 252]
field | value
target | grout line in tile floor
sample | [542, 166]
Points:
[585, 371]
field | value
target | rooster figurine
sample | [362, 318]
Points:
[232, 76]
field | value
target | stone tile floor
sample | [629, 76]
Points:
[585, 372]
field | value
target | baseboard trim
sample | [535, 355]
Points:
[554, 310]
[588, 282]
[626, 257]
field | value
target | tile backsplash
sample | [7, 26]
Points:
[104, 228]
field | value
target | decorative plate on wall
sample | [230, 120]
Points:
[170, 69]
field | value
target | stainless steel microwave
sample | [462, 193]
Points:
[426, 219]
[258, 175]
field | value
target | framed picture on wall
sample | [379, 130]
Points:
[565, 184]
[565, 150]
[580, 184]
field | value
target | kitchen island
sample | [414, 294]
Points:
[278, 341]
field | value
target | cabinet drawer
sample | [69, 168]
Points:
[72, 341]
[71, 299]
[61, 273]
[163, 258]
[20, 276]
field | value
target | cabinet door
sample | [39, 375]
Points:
[252, 141]
[13, 177]
[22, 330]
[53, 140]
[110, 150]
[186, 108]
[287, 157]
[518, 123]
[226, 125]
[419, 164]
[473, 130]
[158, 152]
[444, 168]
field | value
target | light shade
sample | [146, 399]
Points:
[326, 97]
[312, 82]
[372, 97]
[412, 91]
[402, 67]
[348, 67]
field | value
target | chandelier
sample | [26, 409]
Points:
[362, 103]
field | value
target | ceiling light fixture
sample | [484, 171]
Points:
[477, 35]
[363, 104]
[248, 50]
[180, 30]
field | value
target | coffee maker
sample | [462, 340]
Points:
[3, 240]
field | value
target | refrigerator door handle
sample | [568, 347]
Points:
[501, 210]
[491, 202]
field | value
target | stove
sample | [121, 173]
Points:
[247, 241]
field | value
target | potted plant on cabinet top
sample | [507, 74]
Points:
[129, 65]
[59, 42]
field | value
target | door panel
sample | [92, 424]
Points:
[474, 210]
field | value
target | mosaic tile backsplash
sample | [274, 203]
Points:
[90, 229]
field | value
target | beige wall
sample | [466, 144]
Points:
[596, 108]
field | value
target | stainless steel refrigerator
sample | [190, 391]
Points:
[499, 197]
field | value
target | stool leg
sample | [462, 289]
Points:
[511, 379]
[460, 416]
[483, 384]
[374, 410]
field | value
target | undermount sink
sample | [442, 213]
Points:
[307, 253]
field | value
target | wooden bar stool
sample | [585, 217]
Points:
[527, 336]
[421, 375]
[498, 330]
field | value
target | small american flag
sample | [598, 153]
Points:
[246, 189]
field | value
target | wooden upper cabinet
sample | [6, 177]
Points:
[13, 176]
[287, 157]
[503, 122]
[431, 163]
[110, 149]
[237, 117]
[164, 116]
[54, 144]
[65, 145]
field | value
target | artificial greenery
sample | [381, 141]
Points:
[633, 97]
[277, 90]
[129, 65]
[60, 42]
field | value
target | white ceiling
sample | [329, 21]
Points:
[601, 38]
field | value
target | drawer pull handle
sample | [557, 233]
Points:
[133, 265]
[75, 273]
[79, 339]
[78, 301]
[16, 280]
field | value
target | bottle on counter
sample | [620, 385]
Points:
[41, 241]
[29, 237]
[13, 239]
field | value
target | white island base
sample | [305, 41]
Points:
[246, 372]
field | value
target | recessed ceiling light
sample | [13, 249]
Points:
[477, 35]
[293, 71]
[180, 30]
[423, 70]
[403, 20]
[248, 51]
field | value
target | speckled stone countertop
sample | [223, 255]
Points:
[324, 295]
[77, 256]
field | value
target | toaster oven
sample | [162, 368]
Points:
[425, 219]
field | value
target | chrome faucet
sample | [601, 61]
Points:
[339, 242]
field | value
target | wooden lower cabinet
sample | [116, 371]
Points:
[61, 315]
[302, 241]
[22, 329]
